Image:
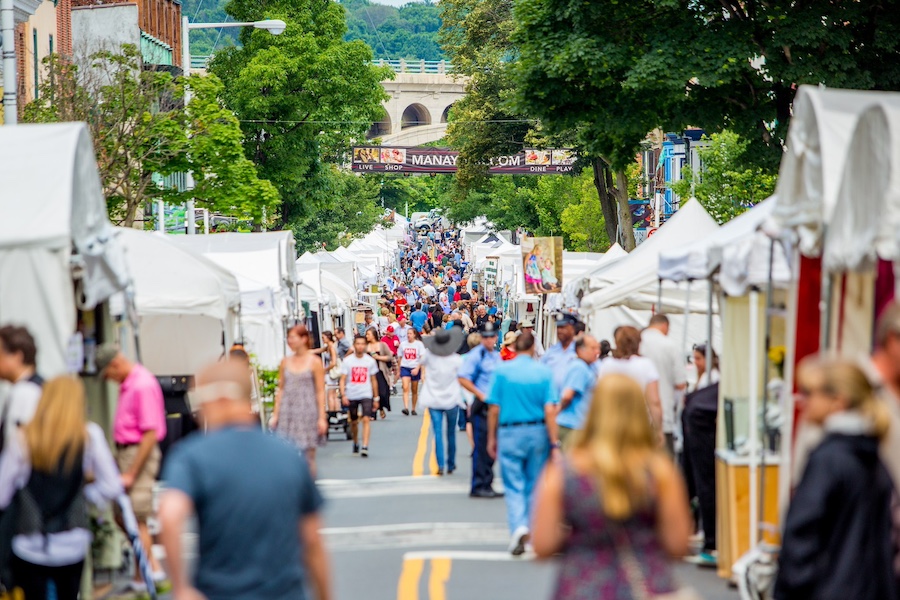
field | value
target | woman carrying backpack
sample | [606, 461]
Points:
[50, 470]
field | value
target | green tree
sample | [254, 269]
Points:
[736, 64]
[728, 183]
[582, 220]
[303, 98]
[139, 126]
[576, 62]
[408, 32]
[476, 37]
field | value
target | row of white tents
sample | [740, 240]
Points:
[175, 302]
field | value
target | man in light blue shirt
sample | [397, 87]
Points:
[522, 403]
[559, 355]
[418, 317]
[577, 389]
[475, 376]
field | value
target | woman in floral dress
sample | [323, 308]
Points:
[300, 399]
[616, 507]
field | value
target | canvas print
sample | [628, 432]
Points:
[542, 264]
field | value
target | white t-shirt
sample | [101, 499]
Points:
[441, 389]
[639, 368]
[22, 401]
[411, 354]
[359, 372]
[429, 290]
[671, 369]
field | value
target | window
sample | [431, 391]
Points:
[51, 44]
[37, 62]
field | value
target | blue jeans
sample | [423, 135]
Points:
[437, 424]
[522, 451]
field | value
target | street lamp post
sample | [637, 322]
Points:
[273, 26]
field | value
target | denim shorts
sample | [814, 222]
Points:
[407, 372]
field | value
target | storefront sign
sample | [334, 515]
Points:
[381, 159]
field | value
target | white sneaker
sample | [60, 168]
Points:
[520, 537]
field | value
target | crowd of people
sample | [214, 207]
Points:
[602, 445]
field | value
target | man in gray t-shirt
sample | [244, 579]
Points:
[257, 504]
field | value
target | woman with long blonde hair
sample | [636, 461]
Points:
[616, 506]
[51, 469]
[837, 539]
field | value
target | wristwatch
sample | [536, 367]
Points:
[556, 445]
[376, 398]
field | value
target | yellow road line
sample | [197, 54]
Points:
[408, 586]
[440, 574]
[421, 446]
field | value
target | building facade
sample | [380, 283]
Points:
[160, 20]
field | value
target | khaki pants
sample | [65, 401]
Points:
[141, 493]
[566, 438]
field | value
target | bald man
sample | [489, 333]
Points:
[257, 504]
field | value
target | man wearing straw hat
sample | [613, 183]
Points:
[441, 392]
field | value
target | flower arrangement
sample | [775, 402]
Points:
[777, 355]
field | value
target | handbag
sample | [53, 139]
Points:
[335, 371]
[640, 590]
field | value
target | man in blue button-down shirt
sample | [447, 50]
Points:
[577, 389]
[476, 375]
[560, 354]
[522, 406]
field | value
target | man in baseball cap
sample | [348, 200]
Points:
[528, 326]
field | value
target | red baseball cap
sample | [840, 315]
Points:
[390, 329]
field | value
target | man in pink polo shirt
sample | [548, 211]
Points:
[138, 427]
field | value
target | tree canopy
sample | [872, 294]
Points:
[303, 98]
[409, 32]
[140, 128]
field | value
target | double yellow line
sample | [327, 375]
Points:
[408, 587]
[423, 448]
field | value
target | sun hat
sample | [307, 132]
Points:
[445, 341]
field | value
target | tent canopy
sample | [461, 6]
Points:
[51, 206]
[866, 218]
[169, 280]
[817, 150]
[633, 280]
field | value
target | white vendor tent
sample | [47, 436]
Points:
[576, 265]
[817, 149]
[187, 305]
[53, 229]
[866, 220]
[628, 289]
[263, 264]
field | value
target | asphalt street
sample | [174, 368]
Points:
[395, 531]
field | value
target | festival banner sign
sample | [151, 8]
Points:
[381, 159]
[542, 264]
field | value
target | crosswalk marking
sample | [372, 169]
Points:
[411, 535]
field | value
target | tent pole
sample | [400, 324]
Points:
[687, 316]
[659, 298]
[754, 405]
[709, 331]
[770, 299]
[825, 308]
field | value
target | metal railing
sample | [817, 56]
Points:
[430, 67]
[434, 67]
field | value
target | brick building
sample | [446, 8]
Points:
[47, 30]
[160, 19]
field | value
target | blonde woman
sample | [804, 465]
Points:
[616, 506]
[837, 536]
[56, 464]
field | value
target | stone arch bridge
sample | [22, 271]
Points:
[421, 95]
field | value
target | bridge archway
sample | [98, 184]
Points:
[415, 115]
[380, 128]
[445, 116]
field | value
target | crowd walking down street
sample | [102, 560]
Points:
[476, 463]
